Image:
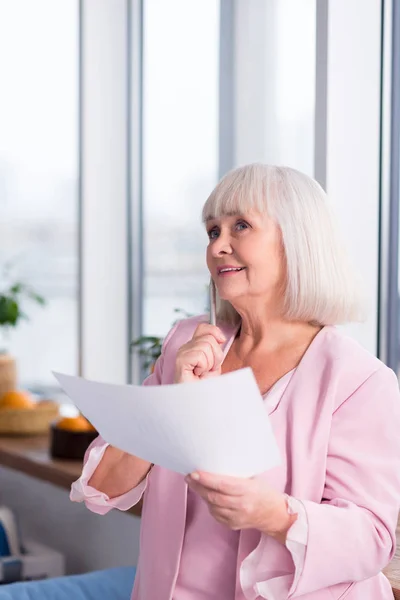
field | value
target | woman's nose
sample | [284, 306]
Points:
[221, 245]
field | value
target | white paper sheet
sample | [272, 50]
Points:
[219, 425]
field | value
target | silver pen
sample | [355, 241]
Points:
[213, 303]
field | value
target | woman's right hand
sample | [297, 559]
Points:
[201, 357]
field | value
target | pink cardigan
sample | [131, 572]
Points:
[338, 427]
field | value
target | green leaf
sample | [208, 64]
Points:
[22, 289]
[146, 339]
[17, 288]
[9, 311]
[148, 347]
[37, 298]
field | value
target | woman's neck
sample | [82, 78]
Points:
[272, 333]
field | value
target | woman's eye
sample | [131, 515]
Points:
[241, 225]
[212, 234]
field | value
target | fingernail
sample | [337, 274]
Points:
[195, 476]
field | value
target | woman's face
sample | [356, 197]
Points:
[245, 257]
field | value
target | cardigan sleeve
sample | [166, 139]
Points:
[94, 499]
[259, 582]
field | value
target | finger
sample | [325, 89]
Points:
[218, 354]
[214, 498]
[212, 350]
[207, 329]
[206, 348]
[222, 513]
[199, 371]
[216, 349]
[221, 501]
[225, 517]
[199, 359]
[193, 361]
[210, 374]
[188, 360]
[232, 486]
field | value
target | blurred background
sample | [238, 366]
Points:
[117, 119]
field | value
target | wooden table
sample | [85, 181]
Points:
[31, 455]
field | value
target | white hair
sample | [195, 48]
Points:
[321, 287]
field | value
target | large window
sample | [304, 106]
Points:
[215, 84]
[180, 153]
[38, 178]
[268, 99]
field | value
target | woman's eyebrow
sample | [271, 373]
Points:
[227, 214]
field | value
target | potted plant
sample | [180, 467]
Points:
[11, 313]
[149, 348]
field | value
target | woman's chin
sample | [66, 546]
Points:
[230, 295]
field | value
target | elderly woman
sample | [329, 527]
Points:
[321, 525]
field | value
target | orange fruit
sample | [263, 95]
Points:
[16, 400]
[91, 428]
[78, 423]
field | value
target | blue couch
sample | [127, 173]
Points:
[110, 584]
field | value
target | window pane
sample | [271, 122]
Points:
[181, 56]
[275, 86]
[38, 178]
[293, 104]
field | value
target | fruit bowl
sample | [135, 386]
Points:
[70, 438]
[20, 415]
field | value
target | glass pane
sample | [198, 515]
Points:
[275, 88]
[294, 75]
[181, 56]
[38, 179]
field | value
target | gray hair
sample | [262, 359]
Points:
[321, 287]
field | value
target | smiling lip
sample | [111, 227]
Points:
[229, 270]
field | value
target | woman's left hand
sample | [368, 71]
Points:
[244, 503]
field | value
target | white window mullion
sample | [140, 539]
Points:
[353, 141]
[135, 209]
[226, 123]
[104, 334]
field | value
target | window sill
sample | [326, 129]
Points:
[30, 455]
